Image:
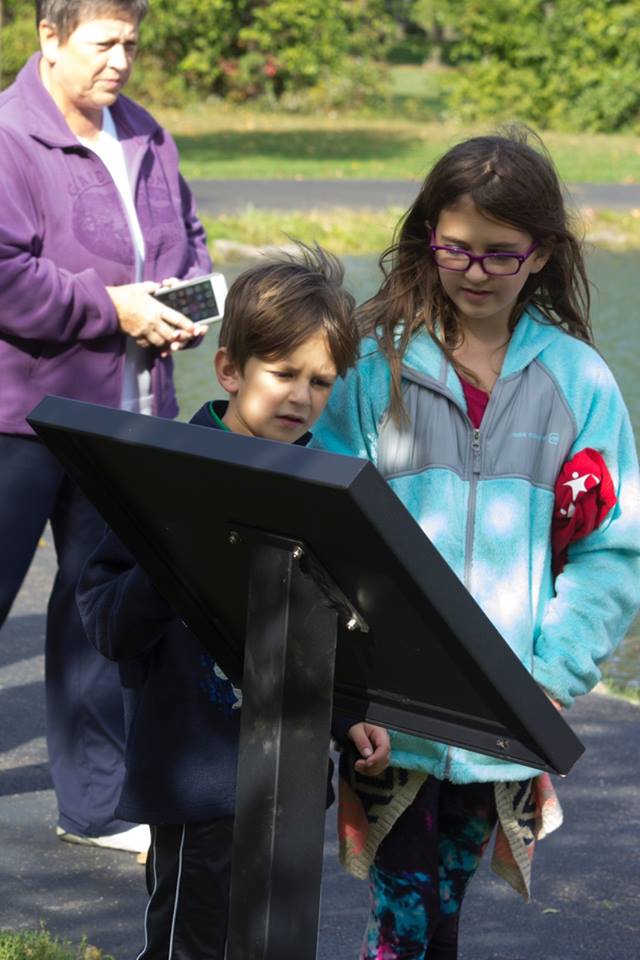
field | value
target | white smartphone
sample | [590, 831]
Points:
[200, 299]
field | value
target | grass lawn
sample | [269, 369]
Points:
[621, 691]
[216, 140]
[366, 232]
[342, 231]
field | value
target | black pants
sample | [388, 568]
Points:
[85, 721]
[188, 875]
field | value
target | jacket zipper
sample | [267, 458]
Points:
[476, 453]
[471, 509]
[468, 546]
[476, 464]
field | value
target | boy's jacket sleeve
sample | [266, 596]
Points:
[123, 615]
[598, 591]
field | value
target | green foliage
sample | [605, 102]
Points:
[18, 37]
[297, 38]
[40, 945]
[192, 39]
[248, 49]
[570, 63]
[358, 85]
[370, 30]
[597, 64]
[434, 14]
[292, 46]
[437, 19]
[243, 49]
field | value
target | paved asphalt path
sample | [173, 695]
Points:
[231, 196]
[586, 877]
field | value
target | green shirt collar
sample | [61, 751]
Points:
[218, 422]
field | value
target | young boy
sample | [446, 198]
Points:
[288, 333]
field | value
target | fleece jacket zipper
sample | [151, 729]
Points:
[471, 508]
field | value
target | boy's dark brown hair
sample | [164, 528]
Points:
[273, 307]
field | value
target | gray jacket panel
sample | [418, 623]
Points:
[527, 430]
[437, 435]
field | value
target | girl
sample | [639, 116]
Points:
[477, 384]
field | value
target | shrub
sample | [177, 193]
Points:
[570, 63]
[192, 40]
[41, 945]
[289, 46]
[241, 49]
[18, 37]
[359, 84]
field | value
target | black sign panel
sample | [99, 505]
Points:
[431, 663]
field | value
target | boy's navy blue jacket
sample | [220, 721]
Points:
[182, 715]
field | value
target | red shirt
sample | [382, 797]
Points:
[476, 400]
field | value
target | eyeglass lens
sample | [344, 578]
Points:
[497, 264]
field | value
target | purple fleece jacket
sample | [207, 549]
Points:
[64, 237]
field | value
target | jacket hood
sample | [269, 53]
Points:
[532, 335]
[35, 111]
[530, 339]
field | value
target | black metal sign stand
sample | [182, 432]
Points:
[292, 622]
[432, 664]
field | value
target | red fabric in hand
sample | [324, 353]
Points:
[584, 495]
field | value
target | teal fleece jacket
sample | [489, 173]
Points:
[485, 499]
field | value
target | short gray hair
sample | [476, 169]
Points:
[66, 15]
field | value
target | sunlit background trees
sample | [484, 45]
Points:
[565, 64]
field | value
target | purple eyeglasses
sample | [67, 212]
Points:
[493, 264]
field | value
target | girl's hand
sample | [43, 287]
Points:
[373, 745]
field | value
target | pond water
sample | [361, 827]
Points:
[616, 305]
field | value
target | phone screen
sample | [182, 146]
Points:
[196, 300]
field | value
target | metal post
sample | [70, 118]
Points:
[283, 762]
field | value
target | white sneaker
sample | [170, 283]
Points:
[134, 840]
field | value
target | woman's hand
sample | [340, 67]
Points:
[149, 321]
[373, 745]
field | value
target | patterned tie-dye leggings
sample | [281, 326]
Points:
[421, 871]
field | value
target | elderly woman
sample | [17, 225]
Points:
[94, 215]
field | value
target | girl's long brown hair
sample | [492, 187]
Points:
[508, 180]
